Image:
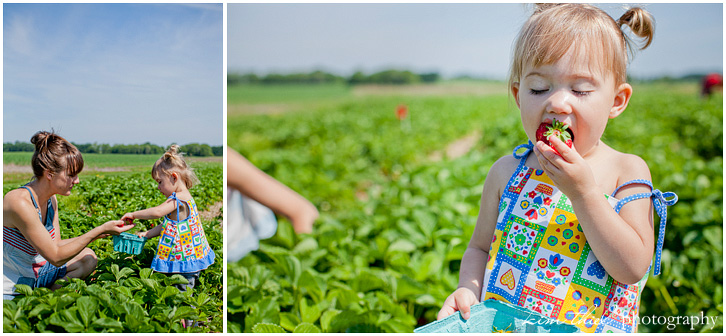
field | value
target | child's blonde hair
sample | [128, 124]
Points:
[555, 28]
[173, 162]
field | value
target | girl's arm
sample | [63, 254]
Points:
[254, 183]
[152, 213]
[623, 243]
[474, 261]
[152, 233]
[58, 252]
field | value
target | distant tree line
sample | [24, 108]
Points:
[192, 149]
[320, 77]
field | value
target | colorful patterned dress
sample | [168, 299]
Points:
[540, 258]
[183, 246]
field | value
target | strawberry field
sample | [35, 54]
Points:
[123, 294]
[396, 216]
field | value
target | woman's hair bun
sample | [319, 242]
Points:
[54, 153]
[40, 139]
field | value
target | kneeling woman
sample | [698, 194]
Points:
[33, 252]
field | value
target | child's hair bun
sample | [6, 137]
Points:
[173, 161]
[173, 152]
[640, 22]
[541, 7]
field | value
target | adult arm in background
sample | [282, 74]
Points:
[255, 184]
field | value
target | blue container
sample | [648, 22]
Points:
[128, 243]
[496, 316]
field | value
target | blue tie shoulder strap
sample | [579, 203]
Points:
[176, 199]
[524, 155]
[661, 200]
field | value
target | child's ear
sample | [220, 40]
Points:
[515, 92]
[174, 177]
[622, 97]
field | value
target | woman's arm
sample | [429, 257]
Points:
[24, 217]
[254, 183]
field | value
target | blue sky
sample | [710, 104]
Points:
[452, 39]
[114, 73]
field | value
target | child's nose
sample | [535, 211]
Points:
[559, 102]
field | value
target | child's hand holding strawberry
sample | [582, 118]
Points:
[567, 169]
[128, 218]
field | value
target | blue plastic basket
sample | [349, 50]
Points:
[128, 243]
[496, 316]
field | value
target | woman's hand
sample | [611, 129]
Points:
[460, 300]
[116, 227]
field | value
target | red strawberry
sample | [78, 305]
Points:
[557, 129]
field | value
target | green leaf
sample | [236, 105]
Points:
[182, 312]
[267, 310]
[107, 324]
[402, 245]
[363, 328]
[87, 307]
[313, 284]
[145, 273]
[309, 313]
[307, 245]
[292, 267]
[40, 310]
[23, 290]
[288, 321]
[306, 327]
[168, 292]
[327, 318]
[267, 328]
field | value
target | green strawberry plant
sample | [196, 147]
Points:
[123, 294]
[394, 224]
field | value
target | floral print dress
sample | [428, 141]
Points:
[540, 258]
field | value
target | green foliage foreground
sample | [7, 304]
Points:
[394, 224]
[123, 294]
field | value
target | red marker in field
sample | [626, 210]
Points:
[401, 112]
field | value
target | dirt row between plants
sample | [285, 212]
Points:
[212, 212]
[454, 150]
[457, 148]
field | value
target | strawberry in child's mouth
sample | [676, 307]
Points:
[556, 128]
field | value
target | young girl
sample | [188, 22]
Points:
[183, 247]
[567, 232]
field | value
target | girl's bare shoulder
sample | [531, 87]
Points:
[628, 167]
[502, 169]
[184, 195]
